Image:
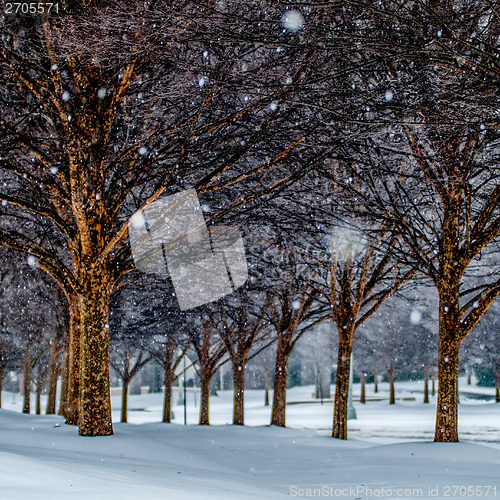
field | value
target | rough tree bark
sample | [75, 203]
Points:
[239, 393]
[266, 387]
[27, 368]
[53, 372]
[281, 379]
[40, 380]
[125, 386]
[64, 382]
[362, 397]
[94, 417]
[73, 366]
[392, 390]
[168, 378]
[205, 377]
[426, 383]
[342, 385]
[446, 429]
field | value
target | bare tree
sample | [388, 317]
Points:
[127, 360]
[210, 350]
[241, 325]
[112, 126]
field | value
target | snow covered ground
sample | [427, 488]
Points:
[389, 452]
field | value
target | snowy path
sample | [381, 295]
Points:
[41, 458]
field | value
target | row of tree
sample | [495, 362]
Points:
[398, 339]
[357, 140]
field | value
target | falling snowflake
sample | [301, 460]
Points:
[138, 221]
[389, 96]
[293, 20]
[101, 93]
[273, 106]
[54, 170]
[415, 317]
[143, 150]
[66, 96]
[31, 261]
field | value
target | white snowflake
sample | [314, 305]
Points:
[138, 221]
[415, 317]
[293, 20]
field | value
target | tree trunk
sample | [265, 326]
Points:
[496, 370]
[278, 414]
[469, 376]
[53, 371]
[205, 396]
[392, 391]
[125, 384]
[375, 381]
[433, 390]
[73, 370]
[450, 328]
[426, 383]
[27, 378]
[362, 398]
[39, 389]
[239, 394]
[447, 405]
[342, 390]
[64, 383]
[168, 377]
[266, 387]
[94, 416]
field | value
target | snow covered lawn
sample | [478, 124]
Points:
[40, 457]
